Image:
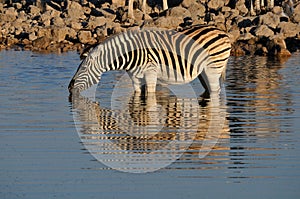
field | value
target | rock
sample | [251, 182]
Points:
[225, 9]
[119, 3]
[33, 10]
[75, 10]
[288, 29]
[245, 36]
[277, 10]
[96, 21]
[215, 4]
[85, 36]
[72, 34]
[263, 30]
[270, 19]
[276, 46]
[17, 5]
[168, 22]
[44, 32]
[197, 11]
[58, 21]
[32, 36]
[59, 34]
[10, 14]
[234, 35]
[75, 25]
[241, 7]
[187, 3]
[178, 12]
[296, 15]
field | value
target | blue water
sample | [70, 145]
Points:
[43, 156]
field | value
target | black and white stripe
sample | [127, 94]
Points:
[169, 56]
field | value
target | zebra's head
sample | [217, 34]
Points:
[86, 74]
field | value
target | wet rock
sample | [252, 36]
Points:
[263, 31]
[288, 29]
[277, 46]
[41, 43]
[270, 19]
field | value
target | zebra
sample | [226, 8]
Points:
[170, 56]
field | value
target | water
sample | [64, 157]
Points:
[43, 156]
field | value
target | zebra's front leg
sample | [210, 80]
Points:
[136, 82]
[150, 76]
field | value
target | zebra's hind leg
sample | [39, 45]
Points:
[211, 81]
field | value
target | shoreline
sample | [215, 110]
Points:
[71, 25]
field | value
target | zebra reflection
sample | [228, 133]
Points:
[155, 129]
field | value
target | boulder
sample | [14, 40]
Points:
[75, 10]
[168, 22]
[178, 12]
[119, 3]
[96, 21]
[59, 34]
[296, 15]
[215, 4]
[277, 46]
[197, 10]
[263, 30]
[277, 10]
[85, 36]
[58, 21]
[241, 7]
[33, 10]
[270, 19]
[10, 14]
[187, 3]
[288, 29]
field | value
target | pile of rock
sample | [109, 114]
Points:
[66, 25]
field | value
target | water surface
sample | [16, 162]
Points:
[43, 156]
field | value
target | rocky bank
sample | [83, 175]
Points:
[59, 26]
